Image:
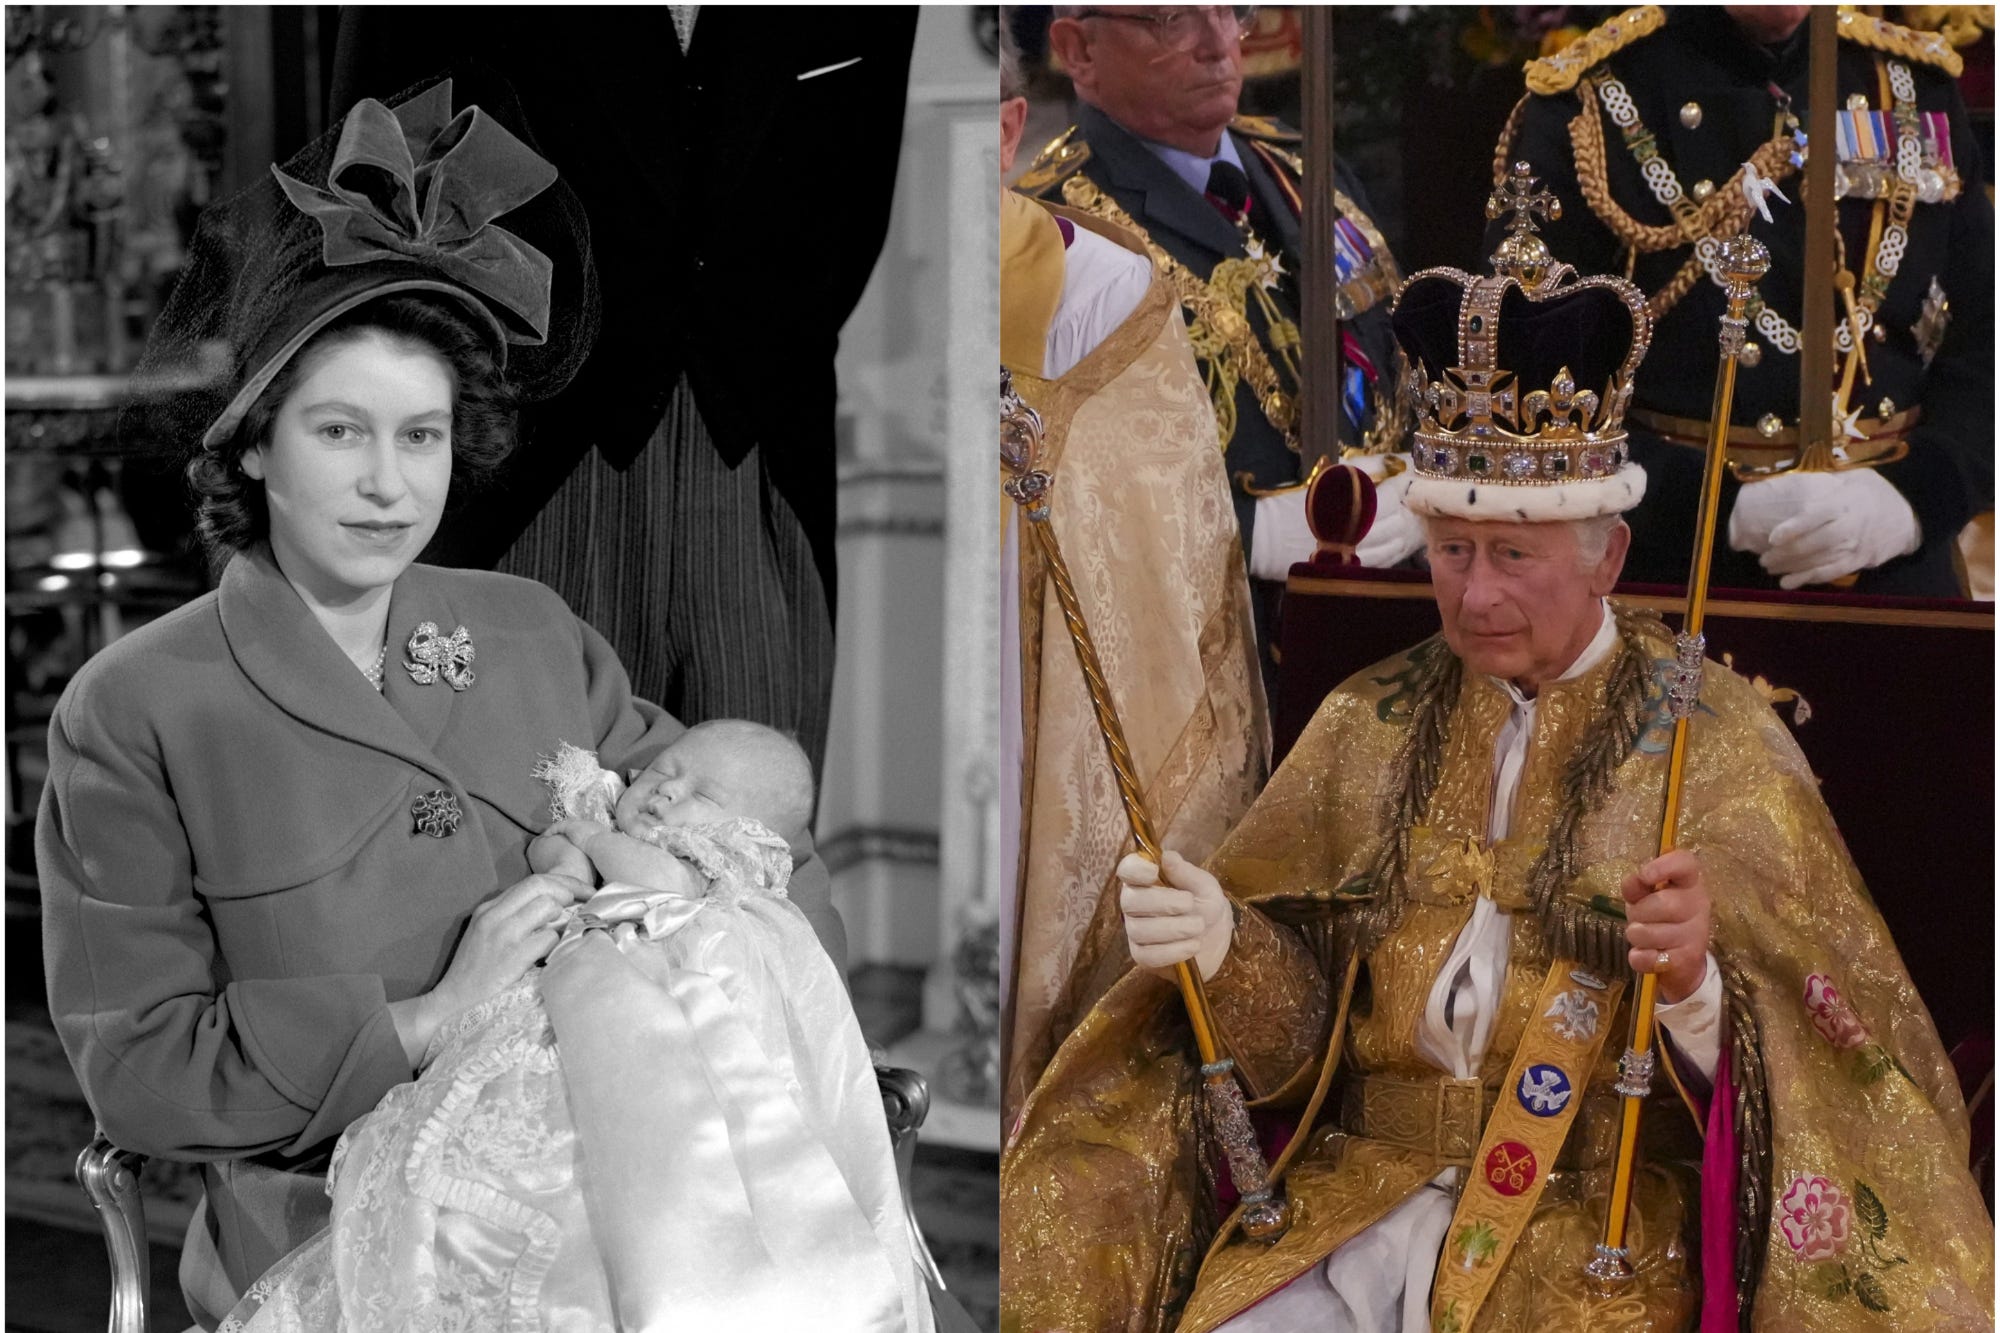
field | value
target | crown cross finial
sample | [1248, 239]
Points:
[1523, 255]
[1521, 195]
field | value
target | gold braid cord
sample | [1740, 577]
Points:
[1558, 73]
[1439, 676]
[1723, 214]
[1217, 327]
[1930, 48]
[1503, 150]
[1570, 929]
[1753, 1136]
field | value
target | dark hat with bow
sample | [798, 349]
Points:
[403, 197]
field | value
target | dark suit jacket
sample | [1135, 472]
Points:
[736, 211]
[1184, 224]
[232, 886]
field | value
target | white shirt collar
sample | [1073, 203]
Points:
[1192, 167]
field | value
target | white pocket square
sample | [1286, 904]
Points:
[828, 69]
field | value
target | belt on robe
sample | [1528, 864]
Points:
[1444, 1117]
[1881, 439]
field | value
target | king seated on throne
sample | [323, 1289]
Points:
[1419, 946]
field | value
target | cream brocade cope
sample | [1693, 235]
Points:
[1140, 508]
[1874, 1220]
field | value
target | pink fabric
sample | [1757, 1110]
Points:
[1718, 1207]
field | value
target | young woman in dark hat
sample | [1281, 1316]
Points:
[285, 827]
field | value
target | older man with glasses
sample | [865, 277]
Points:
[1158, 148]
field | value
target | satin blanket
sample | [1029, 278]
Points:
[673, 1125]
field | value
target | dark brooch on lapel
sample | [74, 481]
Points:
[433, 655]
[436, 813]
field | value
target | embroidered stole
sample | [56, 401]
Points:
[1538, 1102]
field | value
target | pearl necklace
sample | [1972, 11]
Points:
[373, 672]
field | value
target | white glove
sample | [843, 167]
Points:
[1396, 534]
[1187, 917]
[1280, 537]
[1815, 527]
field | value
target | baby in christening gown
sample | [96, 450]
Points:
[674, 1124]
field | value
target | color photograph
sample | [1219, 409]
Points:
[1503, 723]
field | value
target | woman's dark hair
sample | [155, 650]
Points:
[230, 503]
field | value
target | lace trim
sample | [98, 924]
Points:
[426, 1178]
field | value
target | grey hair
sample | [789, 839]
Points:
[1593, 535]
[1012, 85]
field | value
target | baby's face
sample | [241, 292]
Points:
[692, 782]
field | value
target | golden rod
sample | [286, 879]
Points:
[1265, 1215]
[1744, 261]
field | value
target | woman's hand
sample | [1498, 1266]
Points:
[1667, 913]
[1185, 917]
[508, 934]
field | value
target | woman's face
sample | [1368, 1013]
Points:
[357, 465]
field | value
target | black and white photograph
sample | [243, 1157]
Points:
[499, 779]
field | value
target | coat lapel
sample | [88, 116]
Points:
[427, 709]
[1164, 200]
[1277, 204]
[295, 663]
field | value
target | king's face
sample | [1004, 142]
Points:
[1518, 600]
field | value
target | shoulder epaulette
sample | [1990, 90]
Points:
[1265, 127]
[1930, 48]
[1063, 158]
[1558, 73]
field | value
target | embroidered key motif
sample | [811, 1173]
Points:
[1510, 1168]
[433, 655]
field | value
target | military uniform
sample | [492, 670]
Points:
[1242, 311]
[1642, 129]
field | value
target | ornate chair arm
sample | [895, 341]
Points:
[110, 1176]
[906, 1100]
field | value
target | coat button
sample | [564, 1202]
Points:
[436, 813]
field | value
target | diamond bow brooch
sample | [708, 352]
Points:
[433, 655]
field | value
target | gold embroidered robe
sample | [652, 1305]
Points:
[1141, 511]
[1852, 1131]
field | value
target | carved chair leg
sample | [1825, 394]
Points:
[110, 1176]
[906, 1099]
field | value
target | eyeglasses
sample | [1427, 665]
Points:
[1180, 27]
